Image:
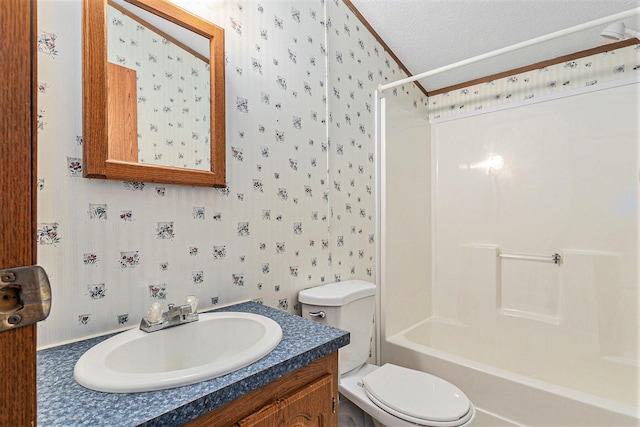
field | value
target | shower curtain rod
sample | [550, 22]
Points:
[527, 43]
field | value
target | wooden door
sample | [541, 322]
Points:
[311, 406]
[311, 392]
[17, 199]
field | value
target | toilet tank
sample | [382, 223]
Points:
[346, 305]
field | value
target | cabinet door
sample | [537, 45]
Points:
[311, 406]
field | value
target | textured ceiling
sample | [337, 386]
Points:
[427, 34]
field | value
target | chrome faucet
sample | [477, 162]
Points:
[157, 320]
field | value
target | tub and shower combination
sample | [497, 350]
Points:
[518, 392]
[517, 280]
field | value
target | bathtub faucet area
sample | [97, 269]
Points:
[157, 319]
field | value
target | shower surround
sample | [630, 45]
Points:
[528, 169]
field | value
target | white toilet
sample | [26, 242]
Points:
[391, 395]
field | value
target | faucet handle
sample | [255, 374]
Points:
[192, 300]
[154, 312]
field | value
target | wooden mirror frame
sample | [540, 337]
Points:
[113, 154]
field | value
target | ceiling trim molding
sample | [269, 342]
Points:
[373, 32]
[538, 65]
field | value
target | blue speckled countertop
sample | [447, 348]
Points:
[62, 402]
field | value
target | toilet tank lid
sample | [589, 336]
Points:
[338, 293]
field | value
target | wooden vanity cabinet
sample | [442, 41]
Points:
[309, 406]
[305, 397]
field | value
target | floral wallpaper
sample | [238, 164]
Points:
[172, 88]
[588, 73]
[299, 207]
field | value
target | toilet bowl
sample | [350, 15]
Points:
[393, 396]
[421, 399]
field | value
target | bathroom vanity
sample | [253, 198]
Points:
[307, 396]
[296, 381]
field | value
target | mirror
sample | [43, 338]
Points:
[148, 118]
[172, 84]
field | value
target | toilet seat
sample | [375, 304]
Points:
[417, 397]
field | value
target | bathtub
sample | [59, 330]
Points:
[523, 394]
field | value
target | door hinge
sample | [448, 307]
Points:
[333, 404]
[25, 296]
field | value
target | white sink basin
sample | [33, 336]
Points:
[215, 345]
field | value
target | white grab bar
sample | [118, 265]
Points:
[556, 258]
